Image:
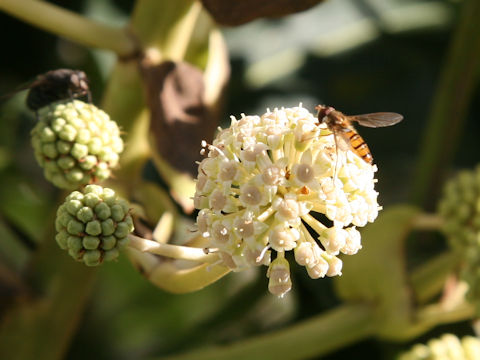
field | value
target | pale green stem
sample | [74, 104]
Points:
[181, 34]
[266, 214]
[165, 274]
[307, 235]
[172, 251]
[70, 25]
[163, 230]
[314, 223]
[310, 338]
[166, 26]
[181, 281]
[438, 314]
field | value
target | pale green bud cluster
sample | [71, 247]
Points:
[460, 210]
[93, 225]
[76, 144]
[447, 347]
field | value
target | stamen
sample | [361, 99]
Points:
[262, 254]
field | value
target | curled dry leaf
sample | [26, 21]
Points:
[180, 119]
[237, 12]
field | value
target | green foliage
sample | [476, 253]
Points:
[378, 273]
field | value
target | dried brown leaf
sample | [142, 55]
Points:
[238, 12]
[180, 119]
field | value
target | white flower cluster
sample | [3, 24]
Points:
[264, 186]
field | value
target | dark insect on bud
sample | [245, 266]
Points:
[57, 85]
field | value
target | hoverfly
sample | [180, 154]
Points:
[344, 132]
[57, 85]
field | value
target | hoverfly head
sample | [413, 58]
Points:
[323, 111]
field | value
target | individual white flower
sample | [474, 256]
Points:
[333, 239]
[247, 227]
[283, 238]
[307, 253]
[352, 242]
[263, 186]
[318, 269]
[279, 275]
[308, 171]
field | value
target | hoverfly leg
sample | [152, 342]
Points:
[71, 95]
[89, 97]
[336, 159]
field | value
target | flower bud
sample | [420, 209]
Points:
[459, 208]
[447, 347]
[76, 144]
[279, 275]
[93, 224]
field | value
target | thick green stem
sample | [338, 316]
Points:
[167, 275]
[70, 25]
[428, 279]
[438, 314]
[450, 106]
[314, 337]
[162, 23]
[123, 101]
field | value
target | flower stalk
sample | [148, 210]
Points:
[72, 26]
[172, 251]
[171, 276]
[311, 338]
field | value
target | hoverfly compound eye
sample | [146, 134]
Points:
[75, 80]
[323, 111]
[83, 77]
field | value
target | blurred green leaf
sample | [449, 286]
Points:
[24, 204]
[139, 317]
[12, 250]
[377, 274]
[41, 325]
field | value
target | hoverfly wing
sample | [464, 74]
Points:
[22, 87]
[379, 119]
[341, 141]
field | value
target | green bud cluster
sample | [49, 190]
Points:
[76, 144]
[460, 210]
[447, 347]
[93, 225]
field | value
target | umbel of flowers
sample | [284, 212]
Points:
[446, 347]
[276, 183]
